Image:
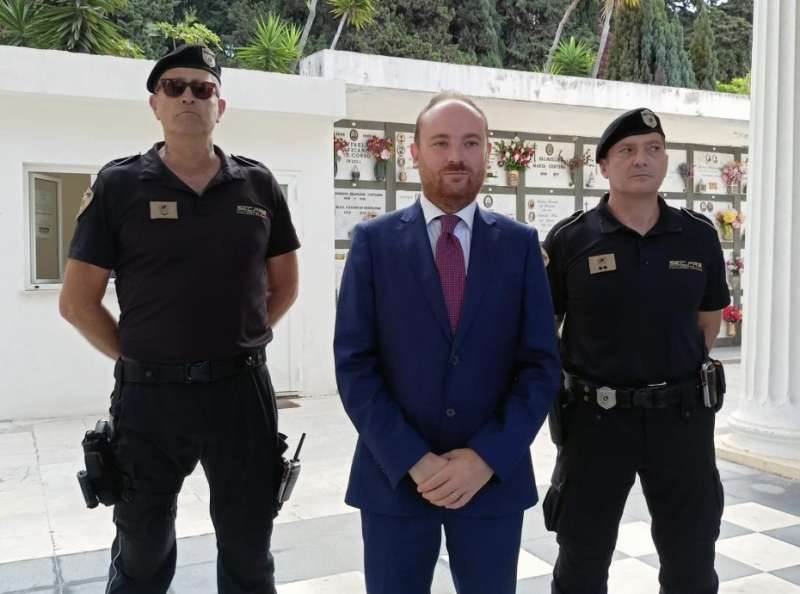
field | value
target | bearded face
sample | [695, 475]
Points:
[451, 154]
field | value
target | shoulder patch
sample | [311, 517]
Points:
[247, 161]
[122, 161]
[698, 217]
[564, 223]
[86, 200]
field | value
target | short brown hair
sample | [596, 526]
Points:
[449, 96]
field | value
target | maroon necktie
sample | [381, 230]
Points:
[450, 262]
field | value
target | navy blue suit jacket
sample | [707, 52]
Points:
[410, 386]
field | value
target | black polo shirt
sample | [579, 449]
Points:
[631, 302]
[190, 269]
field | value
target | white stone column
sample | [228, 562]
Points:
[767, 422]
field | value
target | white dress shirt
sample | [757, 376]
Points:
[463, 230]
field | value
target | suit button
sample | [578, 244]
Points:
[454, 360]
[450, 412]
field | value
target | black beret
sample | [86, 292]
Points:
[631, 123]
[185, 56]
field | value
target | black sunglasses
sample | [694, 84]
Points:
[174, 87]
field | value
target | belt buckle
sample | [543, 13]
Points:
[197, 372]
[606, 397]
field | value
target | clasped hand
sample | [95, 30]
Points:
[452, 479]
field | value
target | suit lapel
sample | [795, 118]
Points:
[420, 257]
[483, 251]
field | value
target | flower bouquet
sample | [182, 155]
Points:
[686, 172]
[732, 174]
[728, 220]
[732, 316]
[514, 156]
[735, 266]
[573, 164]
[339, 151]
[381, 150]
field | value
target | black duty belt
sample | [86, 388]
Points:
[201, 372]
[654, 396]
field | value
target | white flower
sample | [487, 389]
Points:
[385, 154]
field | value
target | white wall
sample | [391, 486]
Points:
[48, 369]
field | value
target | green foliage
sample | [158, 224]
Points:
[275, 47]
[475, 28]
[79, 26]
[737, 86]
[359, 13]
[16, 22]
[573, 58]
[701, 50]
[733, 38]
[417, 29]
[649, 47]
[188, 31]
[135, 18]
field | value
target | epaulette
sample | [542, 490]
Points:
[698, 217]
[121, 161]
[247, 161]
[564, 223]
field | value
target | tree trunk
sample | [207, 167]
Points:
[559, 31]
[603, 40]
[312, 13]
[339, 30]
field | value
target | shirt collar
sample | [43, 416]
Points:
[153, 166]
[668, 220]
[430, 211]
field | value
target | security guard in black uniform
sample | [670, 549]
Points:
[203, 249]
[639, 287]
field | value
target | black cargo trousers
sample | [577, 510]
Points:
[672, 450]
[162, 429]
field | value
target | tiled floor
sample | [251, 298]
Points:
[50, 543]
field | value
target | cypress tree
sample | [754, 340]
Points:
[476, 30]
[701, 50]
[624, 61]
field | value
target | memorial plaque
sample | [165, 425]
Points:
[357, 163]
[504, 204]
[355, 206]
[708, 172]
[549, 167]
[544, 211]
[404, 170]
[404, 198]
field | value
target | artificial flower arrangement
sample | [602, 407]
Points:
[380, 148]
[515, 155]
[733, 173]
[728, 220]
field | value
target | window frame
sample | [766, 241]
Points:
[47, 171]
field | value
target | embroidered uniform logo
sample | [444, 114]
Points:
[86, 200]
[252, 211]
[685, 265]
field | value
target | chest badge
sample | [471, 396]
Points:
[252, 211]
[685, 265]
[163, 210]
[602, 263]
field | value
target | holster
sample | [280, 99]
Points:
[101, 482]
[712, 381]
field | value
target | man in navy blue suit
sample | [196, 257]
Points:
[446, 362]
